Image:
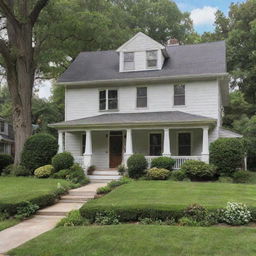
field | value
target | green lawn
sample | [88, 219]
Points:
[17, 189]
[170, 194]
[138, 240]
[8, 223]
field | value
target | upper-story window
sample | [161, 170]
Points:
[179, 95]
[129, 61]
[108, 99]
[151, 59]
[2, 126]
[142, 97]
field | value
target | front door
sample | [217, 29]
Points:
[115, 148]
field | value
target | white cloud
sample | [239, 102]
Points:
[203, 16]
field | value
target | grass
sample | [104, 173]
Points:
[8, 223]
[137, 240]
[170, 194]
[17, 189]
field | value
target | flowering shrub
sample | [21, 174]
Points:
[236, 214]
[158, 174]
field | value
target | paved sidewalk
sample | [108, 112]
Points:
[46, 218]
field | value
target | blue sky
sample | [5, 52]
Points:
[202, 11]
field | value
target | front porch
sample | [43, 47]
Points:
[108, 148]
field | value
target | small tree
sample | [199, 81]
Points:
[227, 154]
[137, 164]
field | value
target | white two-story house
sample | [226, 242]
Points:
[144, 98]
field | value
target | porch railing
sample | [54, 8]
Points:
[179, 160]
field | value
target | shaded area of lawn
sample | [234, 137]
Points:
[8, 223]
[138, 240]
[169, 194]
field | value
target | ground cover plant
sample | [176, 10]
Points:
[146, 240]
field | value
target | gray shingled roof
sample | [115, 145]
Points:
[197, 59]
[136, 118]
[225, 133]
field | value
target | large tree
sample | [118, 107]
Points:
[19, 60]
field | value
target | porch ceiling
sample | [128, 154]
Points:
[137, 119]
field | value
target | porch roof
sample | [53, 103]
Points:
[132, 119]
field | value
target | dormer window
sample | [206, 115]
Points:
[129, 61]
[152, 59]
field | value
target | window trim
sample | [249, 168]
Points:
[133, 68]
[155, 67]
[141, 97]
[2, 122]
[107, 99]
[182, 105]
[191, 141]
[155, 132]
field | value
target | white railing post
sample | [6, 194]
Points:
[88, 149]
[205, 146]
[167, 150]
[60, 142]
[129, 146]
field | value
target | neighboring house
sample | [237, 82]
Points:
[144, 98]
[6, 137]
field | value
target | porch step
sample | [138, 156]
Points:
[105, 172]
[100, 180]
[104, 177]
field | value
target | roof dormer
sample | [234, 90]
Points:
[141, 53]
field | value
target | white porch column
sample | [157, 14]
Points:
[60, 141]
[205, 146]
[167, 150]
[129, 146]
[88, 149]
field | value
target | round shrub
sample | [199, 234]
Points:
[137, 164]
[227, 154]
[44, 171]
[196, 212]
[38, 151]
[241, 176]
[198, 170]
[5, 160]
[178, 175]
[158, 174]
[224, 179]
[163, 162]
[62, 161]
[17, 170]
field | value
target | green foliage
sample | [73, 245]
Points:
[185, 221]
[198, 170]
[116, 183]
[44, 171]
[196, 212]
[104, 190]
[227, 154]
[158, 174]
[73, 219]
[26, 210]
[5, 160]
[163, 162]
[137, 164]
[106, 218]
[178, 175]
[241, 176]
[38, 151]
[224, 179]
[91, 169]
[62, 161]
[122, 169]
[17, 170]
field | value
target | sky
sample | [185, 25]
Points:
[202, 12]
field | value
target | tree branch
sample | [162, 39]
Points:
[36, 11]
[9, 14]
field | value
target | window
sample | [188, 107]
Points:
[141, 97]
[129, 61]
[108, 99]
[184, 144]
[179, 95]
[2, 148]
[155, 144]
[83, 143]
[2, 126]
[151, 59]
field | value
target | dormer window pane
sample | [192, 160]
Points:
[129, 61]
[151, 59]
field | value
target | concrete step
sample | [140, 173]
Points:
[100, 181]
[73, 201]
[52, 213]
[59, 209]
[78, 197]
[81, 193]
[106, 172]
[104, 177]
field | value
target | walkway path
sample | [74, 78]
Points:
[47, 218]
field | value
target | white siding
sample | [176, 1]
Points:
[73, 143]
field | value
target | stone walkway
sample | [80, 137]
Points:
[46, 218]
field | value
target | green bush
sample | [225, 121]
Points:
[74, 218]
[196, 212]
[158, 174]
[227, 154]
[163, 162]
[5, 160]
[44, 171]
[186, 221]
[117, 183]
[241, 176]
[137, 164]
[178, 175]
[17, 170]
[38, 151]
[62, 161]
[91, 169]
[104, 190]
[121, 169]
[224, 179]
[62, 174]
[198, 170]
[106, 218]
[26, 210]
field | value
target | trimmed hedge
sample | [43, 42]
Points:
[158, 174]
[163, 162]
[227, 154]
[62, 161]
[38, 151]
[5, 160]
[137, 165]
